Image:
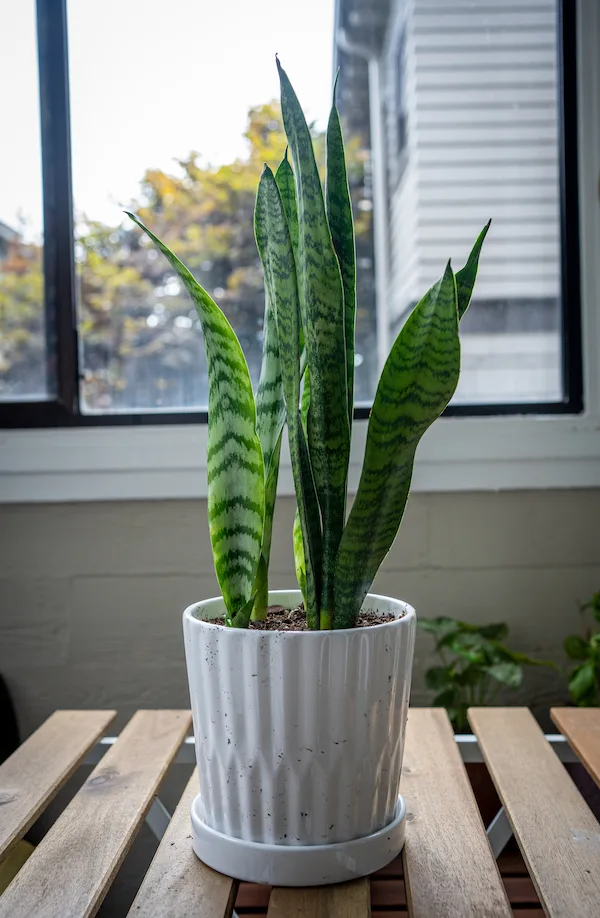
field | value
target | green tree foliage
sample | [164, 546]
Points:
[140, 334]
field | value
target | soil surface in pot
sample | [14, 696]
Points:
[281, 619]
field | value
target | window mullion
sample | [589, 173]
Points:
[59, 256]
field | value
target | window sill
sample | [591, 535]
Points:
[150, 463]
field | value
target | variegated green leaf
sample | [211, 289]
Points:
[275, 249]
[416, 384]
[287, 189]
[299, 559]
[466, 277]
[236, 487]
[341, 224]
[270, 418]
[322, 306]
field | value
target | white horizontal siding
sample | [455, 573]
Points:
[509, 368]
[497, 178]
[483, 142]
[446, 18]
[502, 58]
[506, 115]
[476, 39]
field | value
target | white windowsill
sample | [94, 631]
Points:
[121, 463]
[466, 454]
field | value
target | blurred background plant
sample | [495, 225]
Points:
[475, 665]
[584, 679]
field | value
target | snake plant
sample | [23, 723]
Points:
[305, 239]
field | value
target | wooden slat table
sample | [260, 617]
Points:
[447, 868]
[581, 726]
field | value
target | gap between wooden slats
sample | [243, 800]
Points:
[32, 776]
[70, 872]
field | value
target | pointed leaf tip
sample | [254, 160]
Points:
[335, 83]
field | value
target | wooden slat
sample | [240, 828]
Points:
[34, 774]
[556, 831]
[346, 900]
[449, 868]
[177, 883]
[581, 726]
[69, 873]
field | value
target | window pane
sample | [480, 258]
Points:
[468, 104]
[22, 331]
[173, 116]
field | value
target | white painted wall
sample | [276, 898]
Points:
[78, 580]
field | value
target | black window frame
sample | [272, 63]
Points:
[64, 349]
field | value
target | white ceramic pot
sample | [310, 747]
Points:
[299, 741]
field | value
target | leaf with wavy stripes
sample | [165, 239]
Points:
[287, 189]
[236, 487]
[275, 250]
[322, 308]
[341, 224]
[298, 544]
[417, 382]
[466, 277]
[270, 418]
[299, 559]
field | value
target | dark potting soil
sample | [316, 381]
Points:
[281, 619]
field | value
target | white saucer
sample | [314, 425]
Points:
[297, 865]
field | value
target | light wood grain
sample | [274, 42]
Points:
[449, 868]
[581, 726]
[556, 831]
[346, 900]
[34, 774]
[69, 873]
[177, 883]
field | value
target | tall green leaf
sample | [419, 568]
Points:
[466, 277]
[236, 489]
[275, 249]
[416, 384]
[341, 224]
[322, 306]
[299, 559]
[270, 418]
[287, 189]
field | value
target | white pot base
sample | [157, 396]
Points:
[297, 865]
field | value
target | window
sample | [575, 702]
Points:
[23, 344]
[178, 131]
[478, 105]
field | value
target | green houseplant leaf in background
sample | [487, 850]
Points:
[475, 665]
[584, 679]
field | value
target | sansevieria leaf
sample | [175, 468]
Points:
[270, 418]
[466, 277]
[339, 215]
[416, 384]
[287, 190]
[322, 306]
[236, 487]
[275, 249]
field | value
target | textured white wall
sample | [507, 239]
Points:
[91, 594]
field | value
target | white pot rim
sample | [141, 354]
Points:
[405, 614]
